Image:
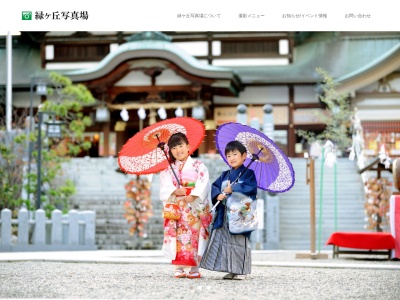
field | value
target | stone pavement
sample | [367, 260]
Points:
[145, 274]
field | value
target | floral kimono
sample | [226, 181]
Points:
[185, 240]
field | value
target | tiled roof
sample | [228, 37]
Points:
[340, 57]
[343, 58]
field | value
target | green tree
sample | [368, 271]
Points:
[337, 116]
[65, 102]
[12, 152]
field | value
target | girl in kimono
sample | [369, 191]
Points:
[185, 239]
[227, 252]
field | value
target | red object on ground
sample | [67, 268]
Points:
[362, 240]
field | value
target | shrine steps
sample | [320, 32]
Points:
[101, 188]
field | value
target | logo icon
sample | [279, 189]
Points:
[26, 15]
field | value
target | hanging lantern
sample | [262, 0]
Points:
[102, 114]
[53, 129]
[41, 89]
[198, 112]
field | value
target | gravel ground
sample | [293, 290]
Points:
[289, 256]
[58, 280]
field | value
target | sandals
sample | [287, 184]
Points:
[180, 274]
[232, 276]
[193, 275]
[229, 276]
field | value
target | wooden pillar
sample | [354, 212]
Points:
[209, 48]
[106, 132]
[208, 145]
[311, 181]
[291, 129]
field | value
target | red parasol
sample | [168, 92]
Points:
[146, 152]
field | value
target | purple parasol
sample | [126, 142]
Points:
[273, 170]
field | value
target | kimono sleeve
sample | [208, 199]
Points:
[202, 187]
[216, 187]
[167, 186]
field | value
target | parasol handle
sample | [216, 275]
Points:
[161, 145]
[215, 205]
[253, 158]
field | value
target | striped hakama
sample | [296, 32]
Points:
[226, 252]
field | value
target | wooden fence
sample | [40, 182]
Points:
[32, 231]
